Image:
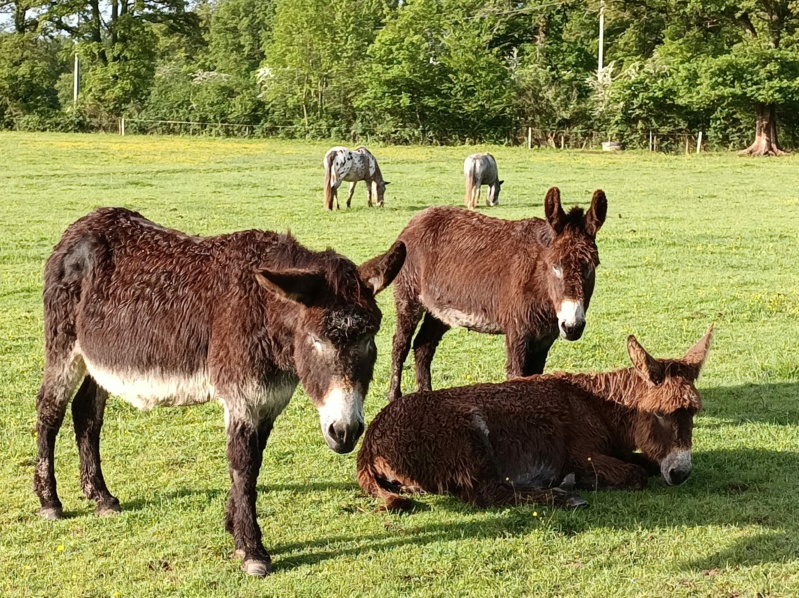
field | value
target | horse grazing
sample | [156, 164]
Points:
[497, 444]
[342, 165]
[158, 317]
[529, 279]
[479, 170]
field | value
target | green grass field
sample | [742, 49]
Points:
[688, 241]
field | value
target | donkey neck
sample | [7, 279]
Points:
[619, 391]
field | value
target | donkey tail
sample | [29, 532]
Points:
[373, 481]
[328, 193]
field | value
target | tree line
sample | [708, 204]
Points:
[438, 71]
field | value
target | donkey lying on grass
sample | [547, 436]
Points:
[162, 318]
[530, 280]
[495, 444]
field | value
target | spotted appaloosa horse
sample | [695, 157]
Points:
[342, 165]
[531, 280]
[158, 317]
[497, 444]
[479, 170]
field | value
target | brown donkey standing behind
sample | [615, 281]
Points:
[531, 280]
[158, 317]
[495, 444]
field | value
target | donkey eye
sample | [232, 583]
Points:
[556, 270]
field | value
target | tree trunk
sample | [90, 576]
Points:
[766, 133]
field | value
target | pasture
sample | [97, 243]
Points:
[688, 241]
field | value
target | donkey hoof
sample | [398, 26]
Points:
[238, 554]
[575, 502]
[108, 509]
[258, 568]
[51, 513]
[568, 483]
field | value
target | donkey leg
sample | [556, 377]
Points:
[424, 348]
[88, 408]
[604, 471]
[61, 377]
[516, 351]
[408, 316]
[494, 493]
[352, 190]
[535, 357]
[244, 456]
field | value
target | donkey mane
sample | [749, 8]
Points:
[627, 388]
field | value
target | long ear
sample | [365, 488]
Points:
[649, 368]
[302, 286]
[596, 213]
[553, 210]
[696, 355]
[386, 182]
[380, 271]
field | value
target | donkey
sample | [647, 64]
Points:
[498, 444]
[158, 317]
[531, 280]
[342, 165]
[479, 170]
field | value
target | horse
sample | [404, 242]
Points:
[479, 170]
[342, 164]
[531, 280]
[158, 317]
[535, 439]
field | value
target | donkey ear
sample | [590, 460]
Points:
[649, 368]
[695, 358]
[553, 210]
[301, 286]
[386, 182]
[380, 271]
[596, 213]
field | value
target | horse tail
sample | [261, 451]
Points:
[329, 192]
[471, 176]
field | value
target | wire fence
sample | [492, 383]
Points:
[654, 140]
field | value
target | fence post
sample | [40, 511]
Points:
[529, 137]
[122, 126]
[562, 144]
[699, 143]
[687, 146]
[650, 140]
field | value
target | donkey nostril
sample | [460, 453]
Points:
[333, 433]
[678, 476]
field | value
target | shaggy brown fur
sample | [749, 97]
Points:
[493, 444]
[529, 279]
[162, 318]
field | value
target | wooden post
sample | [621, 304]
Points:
[529, 137]
[562, 144]
[699, 143]
[122, 126]
[650, 140]
[687, 146]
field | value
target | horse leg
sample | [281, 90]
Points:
[424, 348]
[408, 316]
[476, 200]
[244, 457]
[88, 408]
[352, 190]
[535, 357]
[369, 192]
[61, 377]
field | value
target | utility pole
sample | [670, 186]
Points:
[76, 84]
[601, 38]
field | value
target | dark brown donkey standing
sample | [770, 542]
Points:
[158, 317]
[531, 280]
[495, 444]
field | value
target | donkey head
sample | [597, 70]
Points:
[572, 259]
[667, 405]
[334, 348]
[380, 190]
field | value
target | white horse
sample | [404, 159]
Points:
[342, 165]
[481, 169]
